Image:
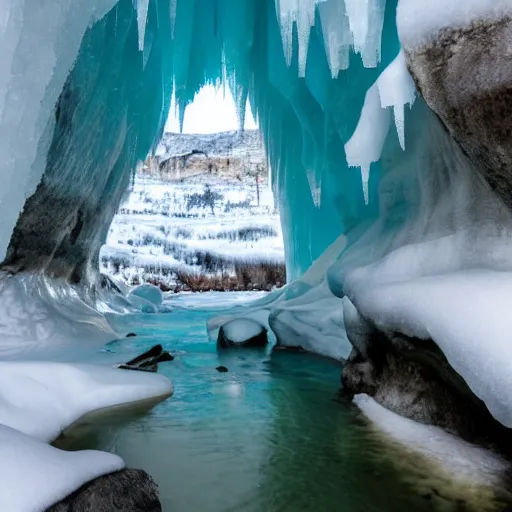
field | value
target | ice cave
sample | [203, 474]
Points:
[379, 378]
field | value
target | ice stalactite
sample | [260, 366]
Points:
[142, 18]
[365, 146]
[397, 89]
[338, 38]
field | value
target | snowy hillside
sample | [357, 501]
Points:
[200, 226]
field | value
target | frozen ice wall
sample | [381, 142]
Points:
[306, 67]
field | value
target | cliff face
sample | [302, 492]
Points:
[238, 155]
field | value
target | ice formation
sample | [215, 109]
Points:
[242, 329]
[41, 399]
[423, 247]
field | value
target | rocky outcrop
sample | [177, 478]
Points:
[413, 378]
[129, 490]
[465, 76]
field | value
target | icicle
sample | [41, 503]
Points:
[314, 187]
[365, 145]
[287, 14]
[365, 178]
[305, 21]
[142, 16]
[174, 5]
[397, 89]
[337, 35]
[366, 18]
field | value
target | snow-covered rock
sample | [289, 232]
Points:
[34, 475]
[242, 332]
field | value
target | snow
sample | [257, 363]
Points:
[41, 399]
[461, 459]
[467, 315]
[365, 145]
[394, 88]
[242, 329]
[35, 476]
[157, 232]
[420, 21]
[397, 89]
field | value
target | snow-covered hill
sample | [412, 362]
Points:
[210, 223]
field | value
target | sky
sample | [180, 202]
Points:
[212, 111]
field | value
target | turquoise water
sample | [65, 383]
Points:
[269, 435]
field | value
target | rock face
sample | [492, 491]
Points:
[129, 490]
[413, 378]
[242, 332]
[465, 76]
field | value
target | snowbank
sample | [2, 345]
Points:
[35, 476]
[41, 399]
[460, 458]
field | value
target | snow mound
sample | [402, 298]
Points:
[148, 292]
[41, 399]
[242, 330]
[459, 457]
[35, 476]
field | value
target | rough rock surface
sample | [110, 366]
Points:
[413, 378]
[465, 76]
[129, 490]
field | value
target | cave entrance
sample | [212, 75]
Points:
[199, 214]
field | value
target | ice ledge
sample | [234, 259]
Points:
[41, 399]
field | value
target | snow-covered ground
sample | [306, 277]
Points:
[203, 225]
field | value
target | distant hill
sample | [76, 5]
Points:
[233, 154]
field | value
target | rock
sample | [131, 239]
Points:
[242, 332]
[413, 378]
[465, 76]
[148, 361]
[131, 335]
[222, 369]
[129, 490]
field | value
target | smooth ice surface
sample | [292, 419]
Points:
[461, 459]
[149, 292]
[419, 21]
[41, 399]
[242, 329]
[35, 476]
[35, 60]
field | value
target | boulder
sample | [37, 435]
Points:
[465, 76]
[128, 490]
[242, 332]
